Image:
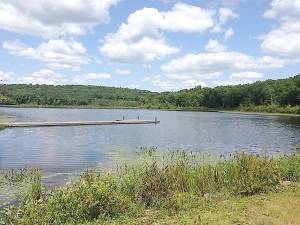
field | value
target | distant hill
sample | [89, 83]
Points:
[70, 95]
[270, 95]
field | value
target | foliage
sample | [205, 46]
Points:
[71, 95]
[263, 96]
[167, 182]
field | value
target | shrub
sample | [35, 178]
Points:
[154, 181]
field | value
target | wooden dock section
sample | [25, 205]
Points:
[77, 123]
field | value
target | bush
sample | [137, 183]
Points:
[154, 181]
[289, 166]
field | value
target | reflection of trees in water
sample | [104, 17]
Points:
[297, 147]
[291, 121]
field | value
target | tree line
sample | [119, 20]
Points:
[270, 95]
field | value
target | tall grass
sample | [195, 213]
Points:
[272, 109]
[154, 181]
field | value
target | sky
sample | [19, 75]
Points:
[157, 45]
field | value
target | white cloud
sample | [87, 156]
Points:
[143, 51]
[212, 64]
[231, 82]
[48, 18]
[187, 18]
[96, 76]
[57, 54]
[162, 84]
[90, 78]
[146, 79]
[214, 46]
[284, 39]
[245, 75]
[284, 10]
[123, 72]
[50, 77]
[228, 33]
[44, 76]
[141, 40]
[224, 14]
[193, 83]
[99, 61]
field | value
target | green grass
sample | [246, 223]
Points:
[279, 208]
[272, 109]
[14, 183]
[170, 188]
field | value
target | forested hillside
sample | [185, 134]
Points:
[270, 96]
[70, 95]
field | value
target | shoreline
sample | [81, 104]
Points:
[259, 113]
[187, 185]
[160, 109]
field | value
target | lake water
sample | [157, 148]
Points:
[69, 149]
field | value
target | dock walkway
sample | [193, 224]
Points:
[77, 123]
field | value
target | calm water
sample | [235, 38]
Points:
[69, 149]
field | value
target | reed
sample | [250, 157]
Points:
[155, 181]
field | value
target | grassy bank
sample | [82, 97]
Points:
[259, 113]
[279, 208]
[273, 109]
[177, 187]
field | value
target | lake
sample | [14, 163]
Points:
[69, 149]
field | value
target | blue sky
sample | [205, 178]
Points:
[159, 45]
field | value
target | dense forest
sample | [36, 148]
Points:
[266, 96]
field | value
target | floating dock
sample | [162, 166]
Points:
[77, 123]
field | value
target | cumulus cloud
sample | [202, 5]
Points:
[143, 51]
[284, 39]
[50, 18]
[90, 78]
[228, 33]
[214, 46]
[50, 77]
[146, 79]
[123, 72]
[224, 14]
[161, 83]
[212, 64]
[57, 54]
[245, 77]
[141, 39]
[230, 82]
[187, 18]
[44, 76]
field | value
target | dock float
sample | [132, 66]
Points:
[77, 123]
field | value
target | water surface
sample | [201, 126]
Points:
[69, 149]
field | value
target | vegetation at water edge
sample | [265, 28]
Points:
[161, 187]
[281, 96]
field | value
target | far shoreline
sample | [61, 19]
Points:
[204, 109]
